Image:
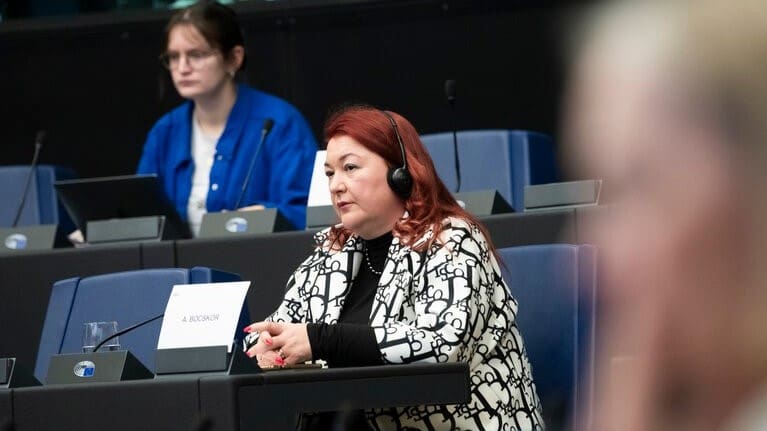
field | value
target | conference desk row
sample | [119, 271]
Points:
[26, 277]
[269, 401]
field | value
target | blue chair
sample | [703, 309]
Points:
[504, 160]
[555, 286]
[126, 297]
[41, 205]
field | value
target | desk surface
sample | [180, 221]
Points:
[269, 401]
[26, 278]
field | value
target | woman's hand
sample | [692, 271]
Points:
[76, 237]
[280, 343]
[262, 350]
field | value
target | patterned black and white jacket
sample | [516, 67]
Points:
[448, 303]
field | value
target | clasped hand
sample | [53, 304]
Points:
[280, 343]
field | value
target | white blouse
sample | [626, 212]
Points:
[203, 151]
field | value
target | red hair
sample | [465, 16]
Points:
[430, 201]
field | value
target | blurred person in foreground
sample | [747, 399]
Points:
[668, 104]
[407, 276]
[203, 151]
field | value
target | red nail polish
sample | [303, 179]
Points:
[268, 342]
[279, 361]
[250, 354]
[246, 329]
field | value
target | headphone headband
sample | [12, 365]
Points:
[399, 179]
[399, 138]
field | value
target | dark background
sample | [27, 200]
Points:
[94, 83]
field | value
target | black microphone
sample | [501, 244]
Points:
[126, 330]
[268, 124]
[450, 94]
[38, 145]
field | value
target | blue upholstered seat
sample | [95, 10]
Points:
[505, 160]
[126, 297]
[41, 205]
[555, 286]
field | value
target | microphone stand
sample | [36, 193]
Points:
[125, 331]
[32, 166]
[450, 93]
[268, 124]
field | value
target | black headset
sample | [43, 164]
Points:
[399, 178]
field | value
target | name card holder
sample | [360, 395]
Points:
[149, 228]
[13, 375]
[321, 216]
[107, 366]
[206, 360]
[571, 194]
[230, 223]
[480, 203]
[483, 202]
[40, 237]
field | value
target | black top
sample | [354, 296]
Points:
[352, 342]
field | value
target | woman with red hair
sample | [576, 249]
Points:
[407, 276]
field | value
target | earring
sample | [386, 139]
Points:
[231, 73]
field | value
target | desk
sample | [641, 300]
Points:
[25, 285]
[6, 409]
[268, 260]
[265, 401]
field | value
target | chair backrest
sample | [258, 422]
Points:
[555, 286]
[125, 297]
[41, 205]
[505, 160]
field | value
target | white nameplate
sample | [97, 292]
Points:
[319, 188]
[205, 314]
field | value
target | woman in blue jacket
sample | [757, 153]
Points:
[202, 151]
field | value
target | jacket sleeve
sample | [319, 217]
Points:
[150, 157]
[292, 308]
[451, 294]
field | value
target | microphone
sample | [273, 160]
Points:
[267, 127]
[450, 94]
[38, 145]
[125, 331]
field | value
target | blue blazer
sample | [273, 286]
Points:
[282, 171]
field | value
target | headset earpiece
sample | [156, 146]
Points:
[399, 178]
[400, 181]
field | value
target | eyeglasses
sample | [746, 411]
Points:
[195, 58]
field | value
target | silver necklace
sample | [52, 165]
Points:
[370, 264]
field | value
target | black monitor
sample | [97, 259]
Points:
[119, 197]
